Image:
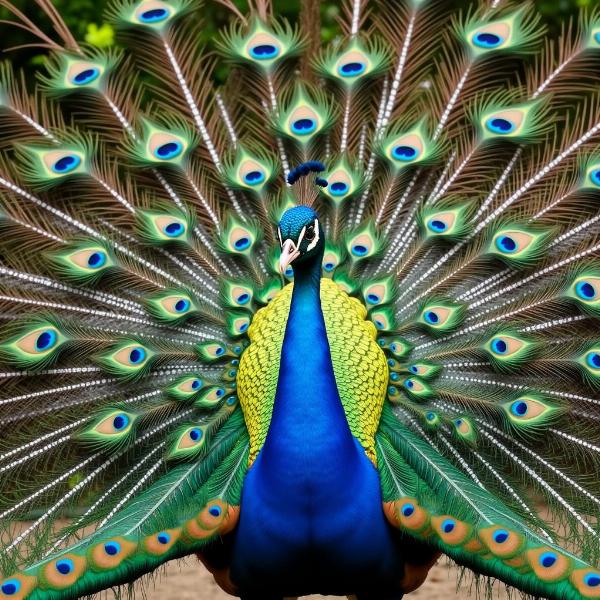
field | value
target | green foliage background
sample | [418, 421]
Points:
[86, 20]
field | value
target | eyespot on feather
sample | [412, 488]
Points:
[450, 530]
[411, 516]
[501, 541]
[109, 554]
[62, 572]
[152, 12]
[587, 582]
[548, 564]
[17, 586]
[213, 514]
[84, 73]
[160, 543]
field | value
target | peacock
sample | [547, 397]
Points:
[317, 324]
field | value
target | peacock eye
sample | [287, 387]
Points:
[310, 233]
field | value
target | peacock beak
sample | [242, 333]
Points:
[289, 253]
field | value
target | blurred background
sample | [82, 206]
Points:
[188, 580]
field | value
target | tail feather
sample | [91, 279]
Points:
[460, 208]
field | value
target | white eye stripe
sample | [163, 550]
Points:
[316, 240]
[301, 237]
[280, 238]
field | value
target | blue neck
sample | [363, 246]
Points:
[308, 421]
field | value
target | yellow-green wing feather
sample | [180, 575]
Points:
[360, 367]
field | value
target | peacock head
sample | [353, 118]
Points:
[301, 237]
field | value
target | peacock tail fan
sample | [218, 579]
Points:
[453, 159]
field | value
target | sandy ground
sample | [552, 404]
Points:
[189, 580]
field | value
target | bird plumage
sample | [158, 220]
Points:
[325, 321]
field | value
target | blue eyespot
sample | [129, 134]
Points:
[408, 509]
[414, 369]
[231, 401]
[592, 579]
[232, 372]
[404, 153]
[519, 408]
[351, 69]
[195, 434]
[10, 587]
[585, 290]
[548, 559]
[501, 536]
[163, 538]
[329, 266]
[66, 164]
[289, 272]
[220, 392]
[597, 37]
[96, 260]
[120, 421]
[437, 225]
[499, 125]
[243, 327]
[254, 177]
[215, 510]
[487, 40]
[169, 150]
[264, 51]
[304, 126]
[112, 548]
[137, 355]
[379, 324]
[393, 346]
[182, 305]
[359, 250]
[593, 360]
[243, 298]
[235, 362]
[409, 383]
[504, 243]
[174, 229]
[595, 175]
[499, 346]
[86, 76]
[45, 340]
[242, 243]
[220, 350]
[154, 15]
[394, 376]
[373, 299]
[391, 362]
[65, 566]
[458, 422]
[431, 317]
[392, 390]
[338, 188]
[196, 384]
[448, 525]
[430, 416]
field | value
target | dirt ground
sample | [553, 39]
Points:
[189, 580]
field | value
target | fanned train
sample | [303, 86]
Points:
[316, 325]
